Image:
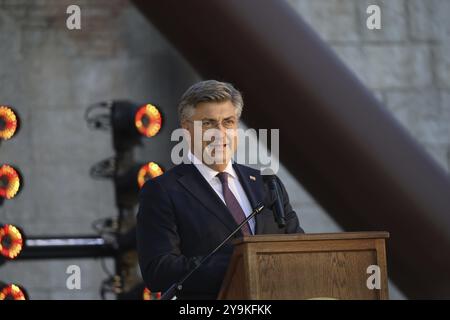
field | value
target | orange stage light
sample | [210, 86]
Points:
[11, 241]
[148, 171]
[148, 120]
[9, 181]
[13, 292]
[8, 122]
[148, 295]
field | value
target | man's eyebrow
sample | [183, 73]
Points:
[211, 119]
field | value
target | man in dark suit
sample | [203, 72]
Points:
[186, 212]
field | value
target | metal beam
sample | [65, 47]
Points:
[336, 138]
[66, 247]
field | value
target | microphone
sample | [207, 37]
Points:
[277, 207]
[178, 286]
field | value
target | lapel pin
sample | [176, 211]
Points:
[253, 178]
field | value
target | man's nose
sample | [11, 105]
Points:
[220, 134]
[222, 129]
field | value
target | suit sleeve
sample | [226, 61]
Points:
[292, 222]
[158, 244]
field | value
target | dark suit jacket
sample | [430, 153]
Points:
[181, 219]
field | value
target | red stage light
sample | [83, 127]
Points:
[13, 292]
[11, 241]
[148, 295]
[148, 171]
[9, 181]
[148, 120]
[8, 122]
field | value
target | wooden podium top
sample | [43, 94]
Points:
[307, 266]
[313, 237]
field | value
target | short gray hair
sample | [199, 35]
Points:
[206, 91]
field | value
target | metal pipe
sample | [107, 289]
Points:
[66, 247]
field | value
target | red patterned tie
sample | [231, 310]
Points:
[232, 203]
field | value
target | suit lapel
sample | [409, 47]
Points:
[253, 187]
[193, 182]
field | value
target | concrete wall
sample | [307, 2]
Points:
[406, 63]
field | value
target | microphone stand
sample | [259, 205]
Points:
[178, 286]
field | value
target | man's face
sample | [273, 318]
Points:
[218, 124]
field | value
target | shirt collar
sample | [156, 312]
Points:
[207, 172]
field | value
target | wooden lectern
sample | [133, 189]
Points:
[307, 266]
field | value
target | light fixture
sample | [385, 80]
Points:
[148, 295]
[9, 122]
[148, 171]
[11, 241]
[130, 122]
[12, 292]
[129, 183]
[10, 181]
[148, 120]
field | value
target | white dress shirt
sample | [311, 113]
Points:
[234, 184]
